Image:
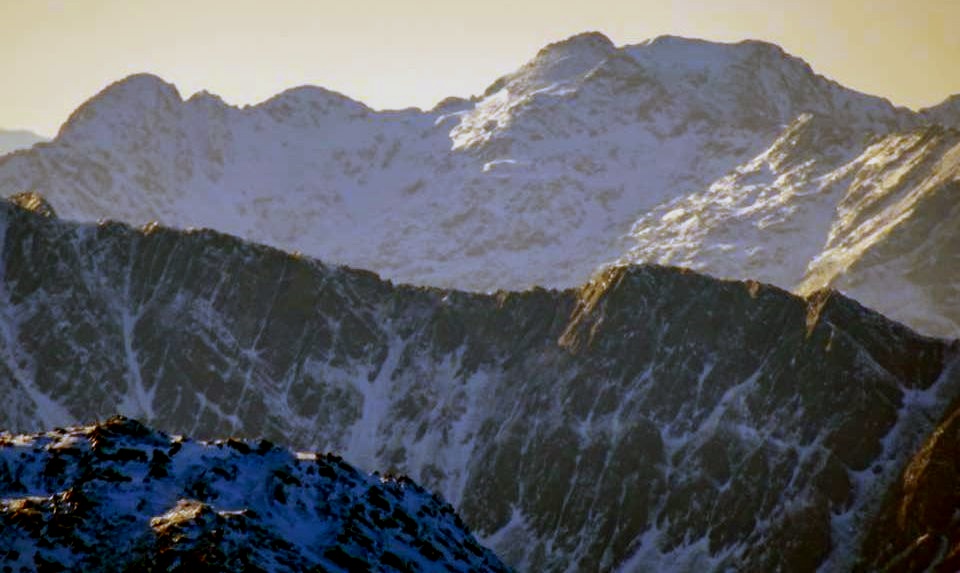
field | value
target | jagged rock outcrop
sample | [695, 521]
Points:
[654, 419]
[733, 159]
[119, 496]
[33, 201]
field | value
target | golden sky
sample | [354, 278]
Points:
[54, 54]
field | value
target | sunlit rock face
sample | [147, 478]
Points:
[917, 529]
[119, 496]
[652, 419]
[737, 160]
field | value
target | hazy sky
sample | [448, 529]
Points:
[54, 54]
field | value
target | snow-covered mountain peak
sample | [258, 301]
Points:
[147, 87]
[204, 98]
[312, 100]
[756, 83]
[557, 63]
[560, 62]
[682, 56]
[137, 101]
[551, 92]
[578, 44]
[669, 84]
[134, 93]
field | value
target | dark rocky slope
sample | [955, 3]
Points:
[653, 419]
[118, 496]
[918, 527]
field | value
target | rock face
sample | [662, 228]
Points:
[118, 496]
[33, 201]
[653, 419]
[917, 529]
[732, 159]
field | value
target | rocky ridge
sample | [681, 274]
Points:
[119, 496]
[654, 418]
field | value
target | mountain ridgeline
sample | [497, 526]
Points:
[736, 160]
[653, 419]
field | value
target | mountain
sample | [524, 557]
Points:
[652, 419]
[12, 140]
[118, 496]
[586, 154]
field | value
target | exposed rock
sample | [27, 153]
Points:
[33, 201]
[918, 528]
[98, 513]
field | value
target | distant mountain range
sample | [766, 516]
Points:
[736, 160]
[653, 419]
[12, 140]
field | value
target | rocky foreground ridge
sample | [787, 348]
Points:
[119, 496]
[653, 419]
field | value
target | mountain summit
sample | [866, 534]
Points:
[557, 63]
[140, 101]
